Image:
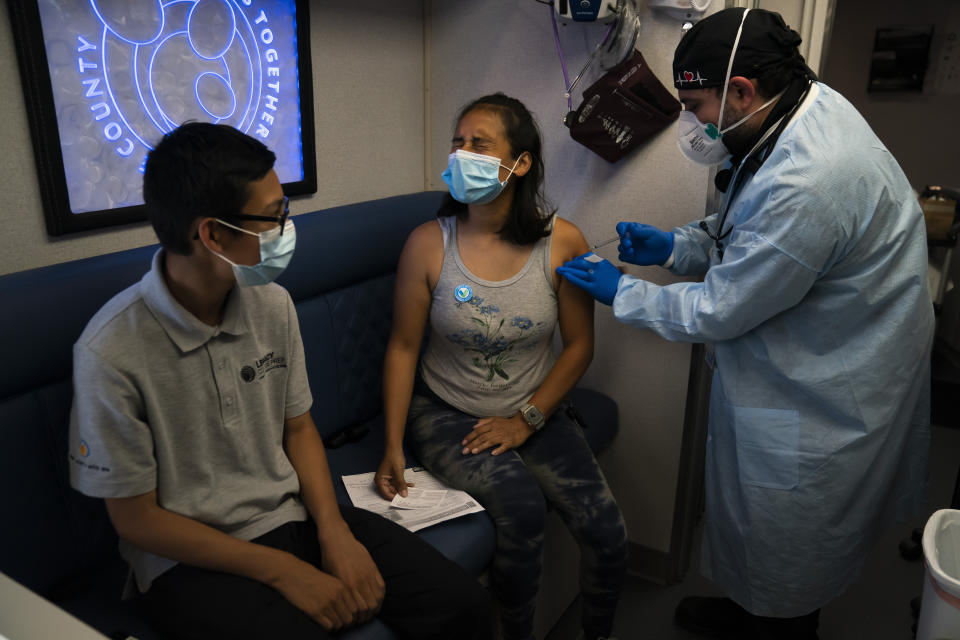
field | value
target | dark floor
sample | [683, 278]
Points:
[877, 607]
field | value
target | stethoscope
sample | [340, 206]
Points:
[752, 161]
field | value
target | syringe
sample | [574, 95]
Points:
[604, 243]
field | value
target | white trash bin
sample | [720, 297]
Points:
[940, 610]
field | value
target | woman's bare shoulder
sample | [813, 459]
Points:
[425, 237]
[422, 255]
[568, 241]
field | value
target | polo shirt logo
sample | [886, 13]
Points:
[261, 367]
[84, 450]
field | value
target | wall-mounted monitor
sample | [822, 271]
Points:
[104, 80]
[900, 58]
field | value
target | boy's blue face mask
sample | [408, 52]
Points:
[276, 250]
[474, 178]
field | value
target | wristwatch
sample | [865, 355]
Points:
[532, 416]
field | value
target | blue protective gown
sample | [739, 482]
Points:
[822, 326]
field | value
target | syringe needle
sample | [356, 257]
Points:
[606, 242]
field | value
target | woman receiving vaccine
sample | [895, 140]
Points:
[485, 405]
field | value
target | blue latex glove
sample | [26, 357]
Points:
[644, 245]
[599, 279]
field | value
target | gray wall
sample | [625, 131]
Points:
[368, 88]
[916, 127]
[508, 45]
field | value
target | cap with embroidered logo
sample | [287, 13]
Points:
[701, 58]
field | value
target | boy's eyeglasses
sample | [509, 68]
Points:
[281, 219]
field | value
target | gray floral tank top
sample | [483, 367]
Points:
[491, 343]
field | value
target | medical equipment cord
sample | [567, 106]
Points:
[568, 86]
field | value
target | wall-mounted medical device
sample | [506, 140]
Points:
[622, 29]
[585, 10]
[690, 10]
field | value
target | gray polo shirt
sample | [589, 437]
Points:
[163, 401]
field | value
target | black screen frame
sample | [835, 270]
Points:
[45, 131]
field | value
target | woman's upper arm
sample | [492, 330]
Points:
[417, 273]
[566, 243]
[575, 306]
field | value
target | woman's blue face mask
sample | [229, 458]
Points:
[474, 178]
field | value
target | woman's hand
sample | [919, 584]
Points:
[508, 433]
[389, 476]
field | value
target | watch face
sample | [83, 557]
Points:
[533, 416]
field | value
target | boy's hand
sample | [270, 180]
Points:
[323, 597]
[349, 561]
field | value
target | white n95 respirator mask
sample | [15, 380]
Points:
[703, 143]
[700, 142]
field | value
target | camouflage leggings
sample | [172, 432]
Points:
[554, 466]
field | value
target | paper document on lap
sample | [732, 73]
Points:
[419, 498]
[428, 503]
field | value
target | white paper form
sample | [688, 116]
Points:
[453, 504]
[417, 498]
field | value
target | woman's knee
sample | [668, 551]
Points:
[520, 512]
[605, 535]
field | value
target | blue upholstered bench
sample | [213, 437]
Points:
[61, 544]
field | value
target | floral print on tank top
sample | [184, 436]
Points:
[491, 343]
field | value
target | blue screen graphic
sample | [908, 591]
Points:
[125, 72]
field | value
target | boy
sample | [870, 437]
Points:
[191, 420]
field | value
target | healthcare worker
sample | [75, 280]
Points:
[814, 300]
